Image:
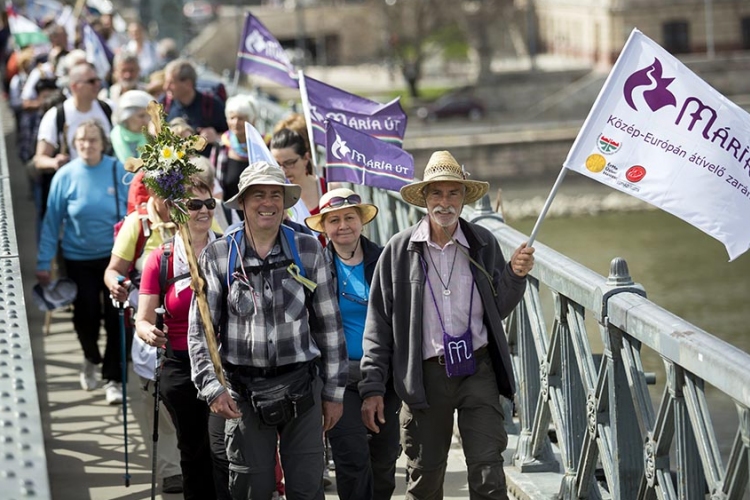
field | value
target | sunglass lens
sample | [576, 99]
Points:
[196, 204]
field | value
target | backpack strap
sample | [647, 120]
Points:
[207, 107]
[164, 261]
[107, 110]
[60, 121]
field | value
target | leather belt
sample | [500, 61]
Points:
[441, 359]
[255, 372]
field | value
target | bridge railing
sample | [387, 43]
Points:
[23, 462]
[599, 405]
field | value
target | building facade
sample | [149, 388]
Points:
[596, 30]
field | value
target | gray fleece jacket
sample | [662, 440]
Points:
[393, 332]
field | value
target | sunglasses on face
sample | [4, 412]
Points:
[340, 201]
[195, 204]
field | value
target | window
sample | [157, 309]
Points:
[746, 33]
[676, 37]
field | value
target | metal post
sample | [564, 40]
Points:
[710, 52]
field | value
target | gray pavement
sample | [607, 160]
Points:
[83, 435]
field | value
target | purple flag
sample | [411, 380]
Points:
[97, 52]
[386, 122]
[261, 54]
[353, 156]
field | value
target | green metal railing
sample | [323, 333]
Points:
[599, 407]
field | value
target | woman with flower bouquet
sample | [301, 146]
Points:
[169, 277]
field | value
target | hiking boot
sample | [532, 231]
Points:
[88, 376]
[113, 392]
[172, 484]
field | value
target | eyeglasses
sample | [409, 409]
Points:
[91, 81]
[340, 201]
[195, 204]
[354, 298]
[290, 163]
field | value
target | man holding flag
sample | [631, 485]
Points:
[449, 272]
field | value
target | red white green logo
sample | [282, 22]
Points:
[607, 145]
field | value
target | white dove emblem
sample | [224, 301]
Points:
[339, 148]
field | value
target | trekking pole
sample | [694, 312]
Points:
[157, 378]
[123, 347]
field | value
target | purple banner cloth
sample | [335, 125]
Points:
[386, 122]
[261, 54]
[353, 156]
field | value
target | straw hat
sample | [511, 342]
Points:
[443, 167]
[262, 173]
[315, 222]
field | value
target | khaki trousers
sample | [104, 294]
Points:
[426, 434]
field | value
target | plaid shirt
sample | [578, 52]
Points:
[278, 333]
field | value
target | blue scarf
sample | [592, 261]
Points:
[230, 140]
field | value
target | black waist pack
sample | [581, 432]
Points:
[281, 399]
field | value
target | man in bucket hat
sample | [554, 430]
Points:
[440, 291]
[275, 327]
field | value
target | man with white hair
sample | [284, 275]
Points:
[54, 146]
[434, 327]
[125, 76]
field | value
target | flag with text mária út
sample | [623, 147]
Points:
[261, 54]
[660, 133]
[353, 156]
[386, 122]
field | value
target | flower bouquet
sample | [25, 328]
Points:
[166, 161]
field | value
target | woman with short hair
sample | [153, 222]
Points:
[87, 197]
[365, 462]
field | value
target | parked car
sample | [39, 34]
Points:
[461, 103]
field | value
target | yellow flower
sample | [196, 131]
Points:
[167, 154]
[180, 154]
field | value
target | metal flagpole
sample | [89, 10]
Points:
[308, 120]
[546, 206]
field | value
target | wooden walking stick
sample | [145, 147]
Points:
[166, 160]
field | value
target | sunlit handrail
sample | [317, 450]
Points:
[599, 406]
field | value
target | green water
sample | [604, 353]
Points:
[682, 269]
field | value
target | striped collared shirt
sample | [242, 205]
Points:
[278, 333]
[453, 308]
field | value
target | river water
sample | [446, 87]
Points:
[682, 270]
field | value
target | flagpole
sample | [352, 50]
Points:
[308, 120]
[546, 206]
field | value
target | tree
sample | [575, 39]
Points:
[412, 27]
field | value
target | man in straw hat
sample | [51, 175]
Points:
[276, 325]
[440, 291]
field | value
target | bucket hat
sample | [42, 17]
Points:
[443, 167]
[338, 199]
[57, 294]
[262, 173]
[130, 102]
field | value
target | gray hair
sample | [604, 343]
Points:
[242, 105]
[182, 69]
[125, 56]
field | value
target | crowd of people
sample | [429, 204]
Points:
[321, 330]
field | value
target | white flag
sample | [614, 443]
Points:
[660, 133]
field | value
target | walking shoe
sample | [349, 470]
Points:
[172, 484]
[326, 479]
[113, 392]
[88, 376]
